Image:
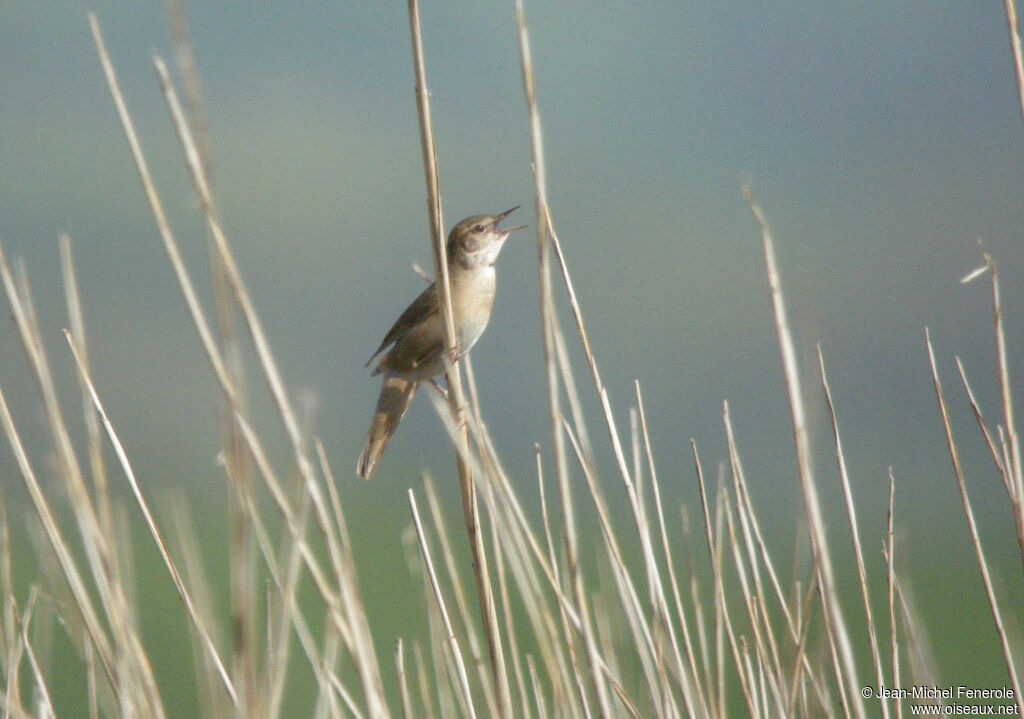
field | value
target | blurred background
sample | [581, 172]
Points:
[883, 141]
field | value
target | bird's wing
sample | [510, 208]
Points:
[420, 309]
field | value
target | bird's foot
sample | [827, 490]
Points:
[456, 353]
[443, 392]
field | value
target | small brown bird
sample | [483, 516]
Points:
[417, 337]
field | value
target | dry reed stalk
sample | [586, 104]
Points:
[848, 684]
[554, 404]
[954, 455]
[693, 692]
[252, 691]
[197, 620]
[346, 615]
[851, 514]
[453, 643]
[888, 548]
[1010, 467]
[361, 647]
[95, 542]
[1013, 25]
[76, 321]
[470, 507]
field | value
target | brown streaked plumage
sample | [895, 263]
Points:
[416, 340]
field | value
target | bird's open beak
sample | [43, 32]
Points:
[505, 214]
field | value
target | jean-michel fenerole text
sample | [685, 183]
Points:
[948, 692]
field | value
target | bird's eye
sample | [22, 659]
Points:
[478, 229]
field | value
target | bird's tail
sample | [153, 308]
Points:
[396, 395]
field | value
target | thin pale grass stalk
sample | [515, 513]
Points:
[530, 540]
[159, 215]
[993, 445]
[461, 604]
[453, 642]
[749, 516]
[156, 206]
[10, 641]
[91, 681]
[488, 612]
[723, 619]
[403, 685]
[750, 597]
[332, 494]
[185, 59]
[579, 695]
[197, 620]
[262, 347]
[44, 704]
[538, 694]
[702, 668]
[1015, 46]
[729, 538]
[771, 677]
[510, 504]
[752, 528]
[833, 652]
[583, 451]
[547, 312]
[888, 549]
[14, 653]
[364, 654]
[443, 678]
[848, 682]
[699, 616]
[569, 382]
[745, 517]
[93, 539]
[713, 671]
[523, 709]
[554, 640]
[628, 594]
[722, 623]
[569, 691]
[517, 536]
[426, 705]
[746, 666]
[655, 584]
[1015, 471]
[339, 611]
[288, 612]
[689, 684]
[343, 692]
[724, 632]
[242, 557]
[544, 515]
[502, 558]
[92, 428]
[851, 514]
[456, 583]
[954, 454]
[514, 511]
[332, 689]
[182, 533]
[349, 587]
[613, 433]
[361, 649]
[602, 620]
[798, 684]
[922, 667]
[344, 610]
